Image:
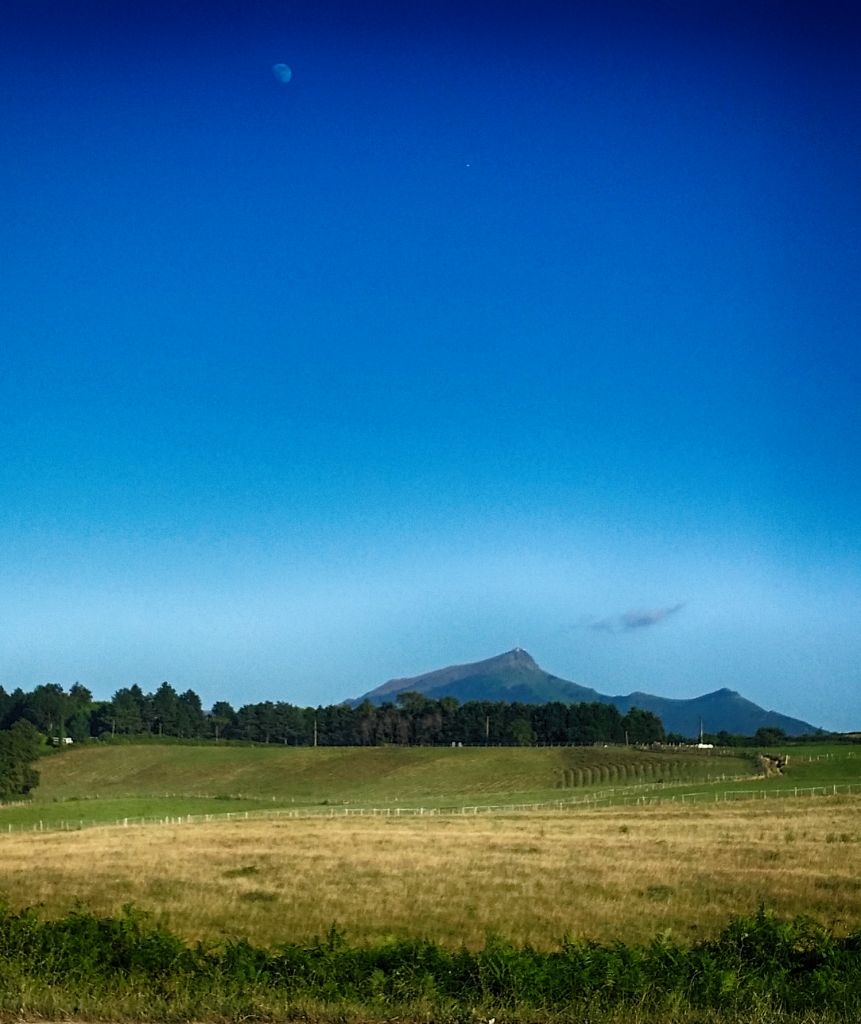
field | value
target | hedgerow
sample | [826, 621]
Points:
[759, 967]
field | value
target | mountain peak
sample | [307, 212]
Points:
[517, 656]
[516, 677]
[516, 659]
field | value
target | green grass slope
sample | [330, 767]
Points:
[382, 775]
[108, 782]
[824, 764]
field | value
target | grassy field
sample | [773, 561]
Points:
[107, 782]
[671, 852]
[608, 872]
[822, 765]
[533, 877]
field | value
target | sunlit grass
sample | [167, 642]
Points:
[361, 774]
[533, 877]
[108, 783]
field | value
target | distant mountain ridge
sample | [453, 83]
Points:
[516, 676]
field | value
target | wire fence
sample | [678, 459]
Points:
[602, 798]
[747, 794]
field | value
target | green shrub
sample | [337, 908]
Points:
[759, 966]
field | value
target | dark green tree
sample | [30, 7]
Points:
[245, 725]
[769, 736]
[165, 711]
[392, 725]
[19, 748]
[643, 727]
[46, 708]
[80, 713]
[366, 724]
[521, 733]
[550, 722]
[425, 717]
[191, 721]
[15, 706]
[471, 722]
[6, 703]
[336, 726]
[126, 713]
[78, 726]
[267, 721]
[292, 725]
[220, 718]
[80, 697]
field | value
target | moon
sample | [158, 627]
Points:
[282, 72]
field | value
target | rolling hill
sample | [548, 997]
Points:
[516, 676]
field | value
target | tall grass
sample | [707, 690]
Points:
[618, 873]
[758, 967]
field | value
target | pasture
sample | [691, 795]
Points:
[682, 843]
[106, 782]
[644, 861]
[615, 873]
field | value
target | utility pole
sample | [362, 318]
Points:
[315, 730]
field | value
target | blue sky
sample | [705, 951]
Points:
[493, 325]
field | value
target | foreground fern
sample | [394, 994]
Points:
[758, 969]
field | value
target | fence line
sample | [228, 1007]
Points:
[730, 795]
[606, 798]
[76, 824]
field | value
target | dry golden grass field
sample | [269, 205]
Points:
[624, 873]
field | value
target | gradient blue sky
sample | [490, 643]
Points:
[496, 323]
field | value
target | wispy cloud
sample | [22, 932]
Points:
[638, 619]
[634, 619]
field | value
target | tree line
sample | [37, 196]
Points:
[412, 720]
